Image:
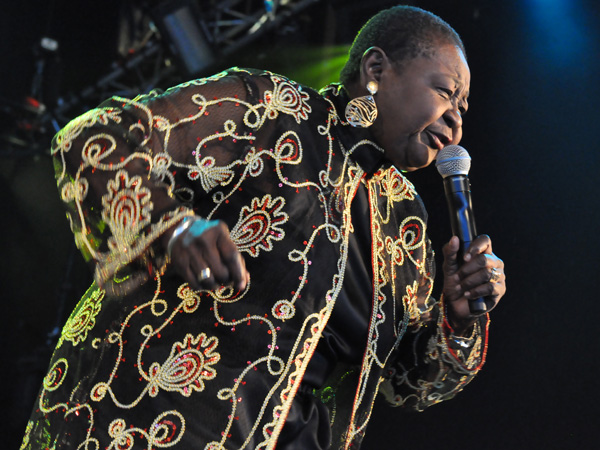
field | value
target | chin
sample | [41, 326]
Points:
[415, 158]
[419, 164]
[407, 169]
[420, 158]
[411, 166]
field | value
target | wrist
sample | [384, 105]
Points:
[172, 236]
[459, 327]
[194, 224]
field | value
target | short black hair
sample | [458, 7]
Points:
[403, 33]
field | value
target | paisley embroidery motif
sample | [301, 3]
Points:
[188, 366]
[259, 225]
[412, 237]
[127, 208]
[83, 318]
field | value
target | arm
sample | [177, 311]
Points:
[119, 170]
[443, 354]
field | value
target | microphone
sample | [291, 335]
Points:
[453, 163]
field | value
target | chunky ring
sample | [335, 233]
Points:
[204, 275]
[496, 274]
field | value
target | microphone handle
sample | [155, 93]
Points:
[458, 196]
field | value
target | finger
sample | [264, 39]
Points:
[201, 271]
[483, 276]
[182, 261]
[209, 243]
[482, 261]
[450, 251]
[483, 290]
[485, 283]
[481, 244]
[189, 274]
[234, 262]
[184, 267]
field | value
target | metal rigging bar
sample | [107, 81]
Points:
[227, 26]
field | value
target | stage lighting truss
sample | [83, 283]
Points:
[234, 23]
[227, 25]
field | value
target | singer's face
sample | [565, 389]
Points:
[421, 106]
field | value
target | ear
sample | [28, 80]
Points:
[372, 63]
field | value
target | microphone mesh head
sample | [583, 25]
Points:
[453, 160]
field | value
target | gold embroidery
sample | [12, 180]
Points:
[56, 375]
[316, 323]
[127, 208]
[409, 300]
[258, 225]
[210, 176]
[166, 431]
[288, 99]
[75, 191]
[83, 318]
[65, 137]
[190, 369]
[28, 429]
[189, 364]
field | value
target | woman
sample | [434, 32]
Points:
[262, 266]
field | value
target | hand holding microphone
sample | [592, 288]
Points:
[485, 276]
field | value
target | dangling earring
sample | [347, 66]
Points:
[362, 111]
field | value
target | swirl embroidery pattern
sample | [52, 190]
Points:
[166, 431]
[288, 99]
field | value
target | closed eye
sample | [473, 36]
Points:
[463, 106]
[448, 93]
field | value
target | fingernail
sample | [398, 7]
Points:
[468, 294]
[468, 257]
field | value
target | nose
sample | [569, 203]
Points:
[453, 119]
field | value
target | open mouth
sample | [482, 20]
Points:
[436, 141]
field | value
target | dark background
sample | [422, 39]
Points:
[532, 130]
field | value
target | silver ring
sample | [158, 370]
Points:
[204, 275]
[496, 274]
